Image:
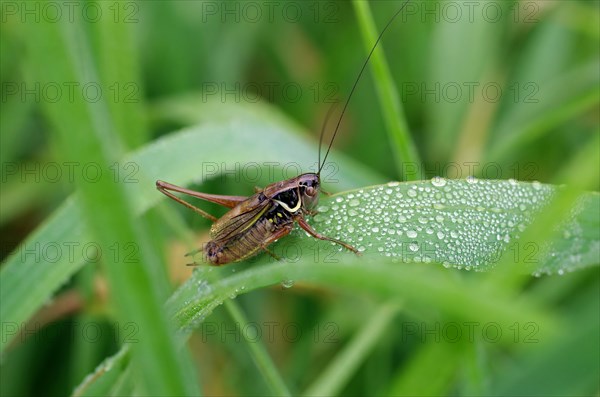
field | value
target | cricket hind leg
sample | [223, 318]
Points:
[284, 231]
[164, 188]
[225, 201]
[273, 255]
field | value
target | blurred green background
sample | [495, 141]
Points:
[498, 90]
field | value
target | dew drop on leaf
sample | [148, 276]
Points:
[438, 181]
[287, 283]
[354, 203]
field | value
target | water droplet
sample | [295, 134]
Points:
[319, 218]
[393, 184]
[411, 233]
[354, 203]
[204, 288]
[414, 247]
[287, 283]
[323, 208]
[412, 193]
[440, 235]
[438, 181]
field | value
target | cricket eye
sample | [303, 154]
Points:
[310, 191]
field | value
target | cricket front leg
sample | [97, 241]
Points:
[302, 222]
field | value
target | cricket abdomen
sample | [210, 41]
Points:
[243, 245]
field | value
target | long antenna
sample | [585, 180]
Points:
[354, 87]
[325, 121]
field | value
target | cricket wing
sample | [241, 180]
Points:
[240, 218]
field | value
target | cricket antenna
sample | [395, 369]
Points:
[325, 121]
[354, 87]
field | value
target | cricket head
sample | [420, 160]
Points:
[309, 186]
[297, 194]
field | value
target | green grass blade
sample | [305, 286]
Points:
[342, 367]
[110, 374]
[563, 365]
[118, 71]
[465, 223]
[412, 285]
[401, 141]
[34, 262]
[583, 170]
[138, 285]
[459, 52]
[416, 379]
[558, 100]
[259, 354]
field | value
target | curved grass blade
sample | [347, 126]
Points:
[485, 216]
[559, 100]
[135, 282]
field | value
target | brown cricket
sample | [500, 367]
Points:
[255, 222]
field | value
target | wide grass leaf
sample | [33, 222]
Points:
[399, 227]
